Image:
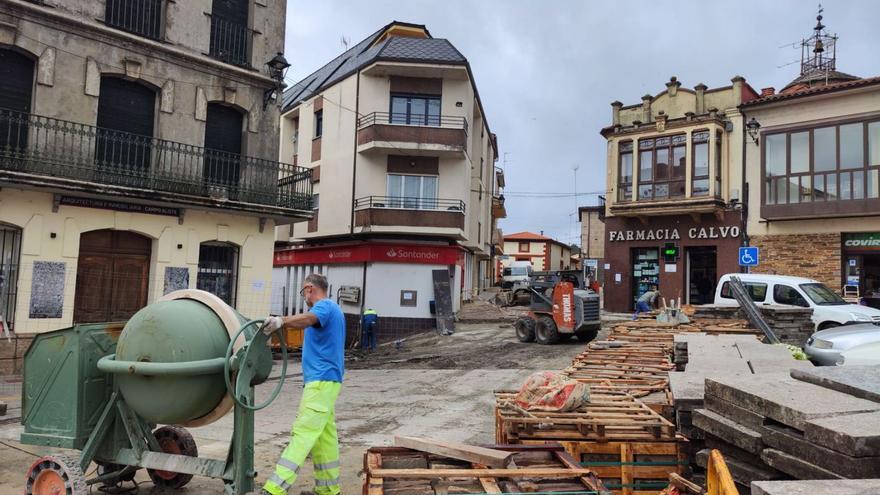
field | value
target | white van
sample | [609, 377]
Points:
[829, 309]
[515, 275]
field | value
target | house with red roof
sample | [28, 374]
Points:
[545, 253]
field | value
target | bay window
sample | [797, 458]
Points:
[700, 176]
[417, 192]
[625, 171]
[662, 167]
[828, 163]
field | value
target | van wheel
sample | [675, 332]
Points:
[825, 325]
[545, 331]
[525, 329]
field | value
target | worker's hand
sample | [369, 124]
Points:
[271, 324]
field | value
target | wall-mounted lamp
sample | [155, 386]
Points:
[752, 128]
[276, 68]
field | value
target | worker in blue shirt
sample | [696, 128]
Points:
[323, 364]
[369, 324]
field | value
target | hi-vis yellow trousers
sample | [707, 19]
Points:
[314, 431]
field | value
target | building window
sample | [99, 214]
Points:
[223, 135]
[141, 17]
[718, 164]
[319, 123]
[700, 177]
[625, 171]
[10, 251]
[415, 192]
[523, 247]
[230, 36]
[415, 110]
[662, 167]
[16, 89]
[218, 270]
[126, 113]
[826, 163]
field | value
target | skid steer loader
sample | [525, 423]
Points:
[561, 306]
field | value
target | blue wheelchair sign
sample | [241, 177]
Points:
[748, 256]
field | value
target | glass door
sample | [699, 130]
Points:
[646, 271]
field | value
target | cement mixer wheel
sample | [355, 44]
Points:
[173, 440]
[56, 475]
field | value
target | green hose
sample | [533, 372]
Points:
[227, 372]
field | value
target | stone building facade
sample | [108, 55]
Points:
[139, 155]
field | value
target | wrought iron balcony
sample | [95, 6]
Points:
[435, 134]
[230, 41]
[141, 17]
[70, 155]
[394, 213]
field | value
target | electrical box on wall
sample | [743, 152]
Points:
[350, 294]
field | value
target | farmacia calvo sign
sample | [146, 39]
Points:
[672, 234]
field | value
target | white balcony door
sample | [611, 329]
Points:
[415, 192]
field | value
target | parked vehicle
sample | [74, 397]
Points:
[829, 309]
[865, 354]
[825, 347]
[515, 277]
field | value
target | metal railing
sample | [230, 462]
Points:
[230, 41]
[410, 203]
[141, 17]
[45, 146]
[444, 121]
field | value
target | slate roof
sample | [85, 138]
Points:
[394, 48]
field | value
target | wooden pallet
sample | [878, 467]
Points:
[630, 468]
[545, 468]
[607, 417]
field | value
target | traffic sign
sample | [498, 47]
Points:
[748, 256]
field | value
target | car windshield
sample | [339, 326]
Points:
[822, 295]
[516, 271]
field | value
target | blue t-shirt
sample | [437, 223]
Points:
[323, 355]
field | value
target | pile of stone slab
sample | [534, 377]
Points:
[777, 426]
[817, 487]
[791, 325]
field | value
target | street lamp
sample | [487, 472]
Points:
[276, 67]
[752, 128]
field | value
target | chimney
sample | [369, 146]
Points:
[646, 107]
[672, 86]
[738, 82]
[615, 112]
[701, 99]
[768, 91]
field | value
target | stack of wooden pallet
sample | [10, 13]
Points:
[632, 448]
[426, 469]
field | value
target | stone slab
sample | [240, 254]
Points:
[788, 401]
[795, 466]
[792, 442]
[728, 430]
[734, 412]
[860, 381]
[713, 442]
[856, 435]
[817, 487]
[742, 472]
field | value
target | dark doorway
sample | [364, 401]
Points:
[16, 89]
[645, 272]
[112, 276]
[230, 36]
[702, 274]
[126, 112]
[218, 270]
[10, 252]
[223, 129]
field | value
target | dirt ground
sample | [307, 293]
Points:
[428, 385]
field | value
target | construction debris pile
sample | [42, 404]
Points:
[809, 424]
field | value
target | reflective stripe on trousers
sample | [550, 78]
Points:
[314, 431]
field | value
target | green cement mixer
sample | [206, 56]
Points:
[102, 389]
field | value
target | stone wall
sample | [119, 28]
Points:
[12, 353]
[815, 256]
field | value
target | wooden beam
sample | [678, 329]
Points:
[479, 473]
[454, 450]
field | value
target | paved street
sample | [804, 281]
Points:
[452, 401]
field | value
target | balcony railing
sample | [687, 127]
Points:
[443, 121]
[429, 204]
[230, 41]
[141, 17]
[44, 146]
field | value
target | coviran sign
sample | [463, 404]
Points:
[673, 234]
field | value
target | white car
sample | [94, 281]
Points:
[829, 309]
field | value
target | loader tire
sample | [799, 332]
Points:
[546, 332]
[525, 329]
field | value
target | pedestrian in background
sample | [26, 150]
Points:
[369, 324]
[646, 302]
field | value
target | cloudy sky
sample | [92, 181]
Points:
[548, 70]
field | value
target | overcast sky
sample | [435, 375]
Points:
[547, 71]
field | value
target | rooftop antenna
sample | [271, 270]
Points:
[345, 41]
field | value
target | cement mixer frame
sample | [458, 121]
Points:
[77, 366]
